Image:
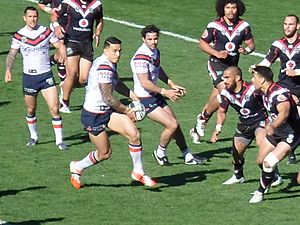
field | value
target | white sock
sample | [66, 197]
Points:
[161, 151]
[90, 160]
[31, 123]
[58, 131]
[136, 156]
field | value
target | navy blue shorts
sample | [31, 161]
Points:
[33, 84]
[95, 123]
[83, 49]
[153, 102]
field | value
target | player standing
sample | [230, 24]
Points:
[33, 41]
[227, 34]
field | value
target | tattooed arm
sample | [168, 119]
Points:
[110, 100]
[9, 62]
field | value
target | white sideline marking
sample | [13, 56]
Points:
[168, 33]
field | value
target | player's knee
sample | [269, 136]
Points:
[270, 162]
[135, 136]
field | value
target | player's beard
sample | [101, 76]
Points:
[290, 34]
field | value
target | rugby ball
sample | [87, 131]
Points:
[141, 111]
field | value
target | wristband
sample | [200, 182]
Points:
[47, 9]
[248, 50]
[219, 128]
[55, 24]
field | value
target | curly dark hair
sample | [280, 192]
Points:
[220, 4]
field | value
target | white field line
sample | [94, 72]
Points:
[168, 33]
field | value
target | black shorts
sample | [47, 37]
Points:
[215, 69]
[153, 102]
[33, 84]
[83, 49]
[285, 134]
[95, 123]
[248, 131]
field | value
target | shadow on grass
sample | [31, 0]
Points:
[36, 222]
[167, 181]
[4, 103]
[76, 108]
[14, 192]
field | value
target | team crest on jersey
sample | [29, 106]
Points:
[42, 36]
[230, 46]
[281, 98]
[83, 23]
[291, 64]
[205, 34]
[245, 111]
[24, 39]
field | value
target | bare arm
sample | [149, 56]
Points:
[61, 50]
[9, 62]
[221, 117]
[250, 47]
[283, 109]
[173, 95]
[204, 46]
[122, 89]
[98, 31]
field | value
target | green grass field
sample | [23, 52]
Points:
[34, 183]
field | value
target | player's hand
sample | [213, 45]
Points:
[214, 136]
[270, 129]
[290, 72]
[59, 32]
[181, 90]
[222, 54]
[7, 77]
[96, 37]
[171, 94]
[130, 112]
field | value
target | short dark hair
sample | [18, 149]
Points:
[237, 70]
[150, 29]
[111, 40]
[220, 4]
[264, 72]
[30, 8]
[293, 15]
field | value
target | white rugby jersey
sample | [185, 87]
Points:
[145, 61]
[34, 46]
[102, 71]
